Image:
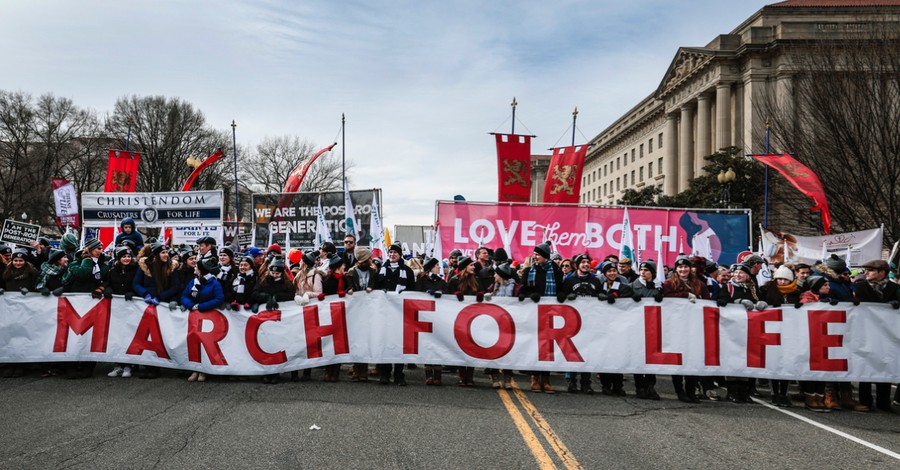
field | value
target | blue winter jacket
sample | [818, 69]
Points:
[209, 297]
[145, 284]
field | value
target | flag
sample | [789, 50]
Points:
[66, 202]
[350, 216]
[295, 179]
[438, 249]
[764, 275]
[660, 265]
[513, 167]
[563, 183]
[849, 248]
[627, 249]
[116, 231]
[122, 171]
[322, 233]
[804, 179]
[376, 233]
[387, 239]
[287, 237]
[824, 251]
[200, 167]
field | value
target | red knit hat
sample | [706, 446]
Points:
[295, 255]
[274, 248]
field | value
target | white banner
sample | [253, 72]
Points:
[189, 235]
[817, 342]
[153, 209]
[66, 201]
[864, 246]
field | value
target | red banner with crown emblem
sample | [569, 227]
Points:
[513, 167]
[563, 184]
[122, 171]
[804, 179]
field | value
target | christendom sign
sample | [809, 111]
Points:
[153, 209]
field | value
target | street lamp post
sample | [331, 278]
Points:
[725, 179]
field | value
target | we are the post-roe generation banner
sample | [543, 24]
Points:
[675, 336]
[659, 234]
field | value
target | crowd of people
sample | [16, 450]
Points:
[205, 276]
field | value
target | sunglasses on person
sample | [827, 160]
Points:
[348, 242]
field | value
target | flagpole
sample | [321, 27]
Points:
[128, 139]
[343, 151]
[513, 104]
[574, 118]
[237, 210]
[766, 201]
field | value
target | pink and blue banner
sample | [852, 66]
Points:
[658, 233]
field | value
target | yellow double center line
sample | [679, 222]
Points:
[531, 439]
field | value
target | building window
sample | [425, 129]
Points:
[650, 146]
[604, 171]
[650, 170]
[632, 177]
[617, 184]
[642, 151]
[641, 174]
[584, 180]
[632, 155]
[659, 166]
[618, 165]
[625, 181]
[659, 139]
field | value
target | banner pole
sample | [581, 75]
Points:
[513, 104]
[237, 205]
[766, 201]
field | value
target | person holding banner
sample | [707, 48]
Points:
[187, 266]
[273, 287]
[157, 280]
[613, 286]
[53, 274]
[782, 289]
[580, 283]
[203, 293]
[120, 280]
[244, 284]
[542, 278]
[89, 275]
[466, 283]
[335, 283]
[19, 276]
[685, 285]
[361, 277]
[227, 273]
[645, 287]
[394, 276]
[876, 287]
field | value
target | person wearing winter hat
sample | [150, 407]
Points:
[682, 283]
[782, 289]
[429, 280]
[272, 288]
[129, 232]
[187, 264]
[361, 277]
[52, 274]
[206, 248]
[19, 275]
[840, 289]
[69, 245]
[645, 287]
[394, 276]
[121, 282]
[335, 283]
[542, 278]
[452, 260]
[157, 280]
[203, 293]
[227, 272]
[613, 286]
[876, 287]
[243, 284]
[257, 254]
[580, 283]
[89, 274]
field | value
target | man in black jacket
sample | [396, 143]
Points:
[543, 278]
[394, 276]
[876, 287]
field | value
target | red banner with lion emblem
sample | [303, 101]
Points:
[563, 183]
[122, 172]
[804, 179]
[514, 167]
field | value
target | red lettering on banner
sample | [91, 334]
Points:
[547, 335]
[209, 339]
[148, 336]
[711, 336]
[653, 338]
[251, 337]
[820, 340]
[462, 330]
[97, 318]
[758, 339]
[411, 324]
[315, 331]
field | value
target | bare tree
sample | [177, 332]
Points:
[267, 169]
[843, 124]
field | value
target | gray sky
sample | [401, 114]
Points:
[422, 82]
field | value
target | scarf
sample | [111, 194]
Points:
[48, 271]
[550, 282]
[240, 282]
[747, 285]
[878, 287]
[223, 272]
[393, 267]
[363, 275]
[96, 269]
[340, 280]
[788, 289]
[198, 283]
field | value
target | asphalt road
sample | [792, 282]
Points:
[105, 422]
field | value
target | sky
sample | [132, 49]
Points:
[422, 83]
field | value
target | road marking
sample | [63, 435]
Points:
[568, 459]
[531, 439]
[830, 429]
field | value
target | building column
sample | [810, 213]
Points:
[670, 185]
[704, 137]
[686, 148]
[754, 121]
[723, 115]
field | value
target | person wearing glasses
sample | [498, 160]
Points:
[567, 268]
[349, 247]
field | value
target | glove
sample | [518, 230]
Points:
[536, 297]
[855, 301]
[271, 304]
[658, 297]
[747, 303]
[800, 304]
[488, 296]
[342, 294]
[438, 294]
[777, 305]
[692, 298]
[833, 301]
[173, 305]
[24, 291]
[59, 291]
[254, 308]
[321, 296]
[895, 304]
[479, 297]
[721, 303]
[521, 297]
[107, 294]
[459, 296]
[636, 298]
[571, 296]
[560, 298]
[45, 291]
[2, 291]
[602, 296]
[97, 294]
[129, 295]
[761, 305]
[611, 299]
[247, 307]
[182, 307]
[235, 306]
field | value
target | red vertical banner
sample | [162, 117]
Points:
[804, 179]
[513, 167]
[122, 171]
[563, 184]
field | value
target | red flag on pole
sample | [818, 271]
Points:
[563, 184]
[122, 171]
[513, 167]
[295, 179]
[804, 179]
[199, 169]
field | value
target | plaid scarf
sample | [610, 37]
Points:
[550, 282]
[46, 272]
